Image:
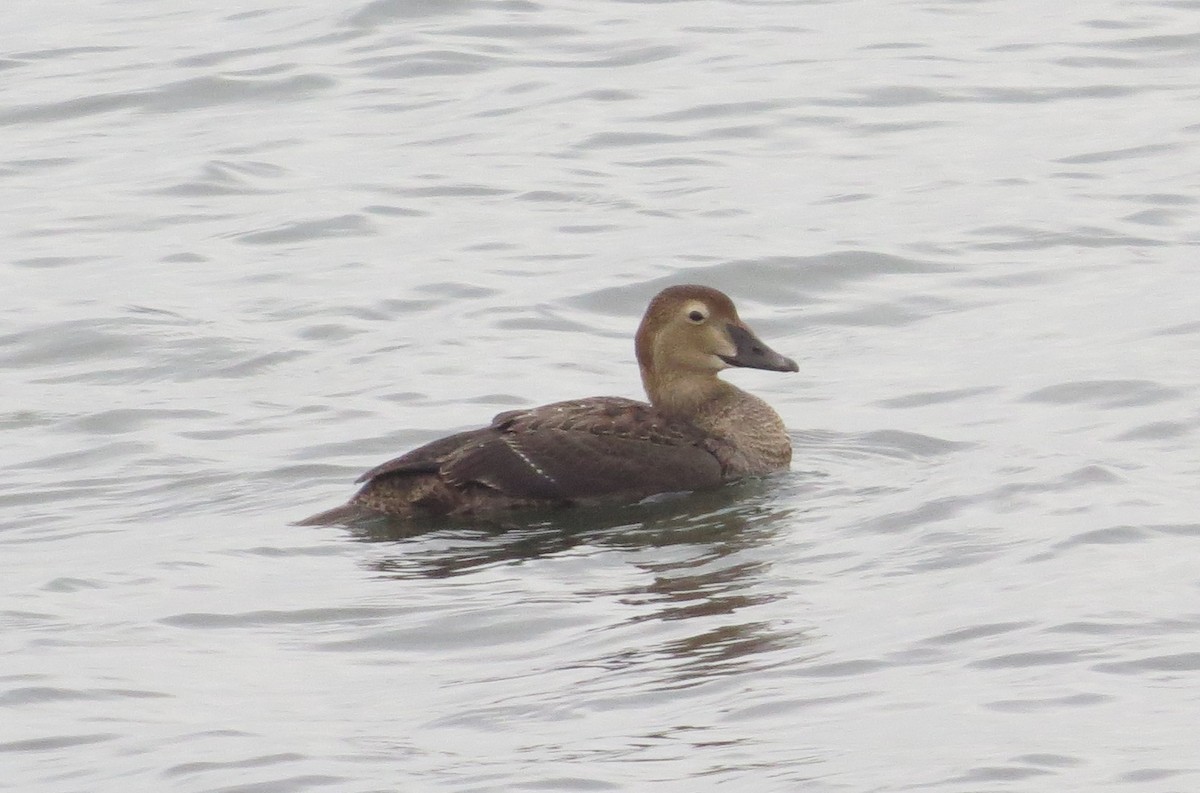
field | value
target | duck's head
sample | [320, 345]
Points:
[690, 333]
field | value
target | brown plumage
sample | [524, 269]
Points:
[697, 431]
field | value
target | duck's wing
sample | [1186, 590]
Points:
[430, 457]
[571, 451]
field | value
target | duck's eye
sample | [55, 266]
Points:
[697, 317]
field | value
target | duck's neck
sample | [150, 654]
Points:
[691, 396]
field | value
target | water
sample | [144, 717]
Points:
[248, 255]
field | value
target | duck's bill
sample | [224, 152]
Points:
[753, 353]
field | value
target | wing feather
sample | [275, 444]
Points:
[578, 450]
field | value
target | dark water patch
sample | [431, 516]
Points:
[588, 229]
[1182, 329]
[1180, 529]
[496, 629]
[892, 96]
[935, 511]
[387, 309]
[38, 695]
[548, 196]
[67, 110]
[997, 774]
[895, 45]
[463, 190]
[57, 742]
[190, 94]
[779, 707]
[924, 399]
[276, 552]
[1038, 95]
[288, 784]
[394, 211]
[846, 198]
[1090, 628]
[224, 178]
[379, 12]
[27, 419]
[610, 140]
[567, 783]
[977, 632]
[261, 761]
[600, 95]
[517, 30]
[209, 91]
[1152, 774]
[632, 55]
[902, 445]
[1034, 705]
[890, 128]
[717, 110]
[59, 53]
[1014, 495]
[71, 341]
[952, 549]
[1127, 627]
[1105, 394]
[1019, 280]
[303, 231]
[435, 63]
[1095, 62]
[67, 584]
[329, 331]
[88, 458]
[120, 421]
[24, 619]
[51, 262]
[1187, 43]
[1182, 663]
[258, 364]
[1134, 152]
[186, 257]
[263, 619]
[1157, 217]
[457, 290]
[1114, 535]
[1161, 199]
[1052, 760]
[1024, 660]
[852, 668]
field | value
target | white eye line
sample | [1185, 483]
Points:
[696, 308]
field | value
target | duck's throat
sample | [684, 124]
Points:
[690, 397]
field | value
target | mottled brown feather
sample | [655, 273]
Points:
[628, 449]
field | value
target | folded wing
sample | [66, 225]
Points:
[566, 452]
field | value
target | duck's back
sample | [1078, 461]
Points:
[577, 452]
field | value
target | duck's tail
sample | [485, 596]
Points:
[343, 514]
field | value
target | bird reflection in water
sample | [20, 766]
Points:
[717, 577]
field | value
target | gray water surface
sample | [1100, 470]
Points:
[248, 255]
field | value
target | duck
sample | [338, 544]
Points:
[696, 431]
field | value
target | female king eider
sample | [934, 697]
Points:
[696, 432]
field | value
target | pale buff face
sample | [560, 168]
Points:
[692, 338]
